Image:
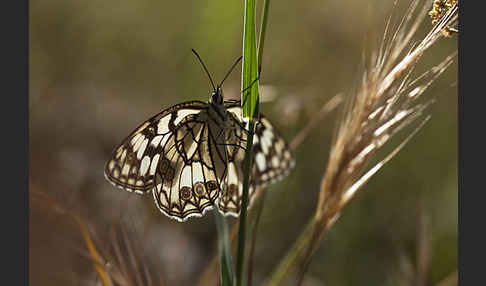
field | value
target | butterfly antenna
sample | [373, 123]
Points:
[230, 70]
[204, 66]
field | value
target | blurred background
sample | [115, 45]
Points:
[100, 68]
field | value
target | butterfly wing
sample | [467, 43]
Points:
[191, 166]
[272, 160]
[133, 163]
[190, 158]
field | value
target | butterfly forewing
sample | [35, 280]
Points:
[133, 163]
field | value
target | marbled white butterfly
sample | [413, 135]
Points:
[191, 157]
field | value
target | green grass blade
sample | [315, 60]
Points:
[263, 29]
[249, 63]
[254, 233]
[227, 276]
[243, 213]
[249, 99]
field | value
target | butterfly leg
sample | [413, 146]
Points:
[230, 136]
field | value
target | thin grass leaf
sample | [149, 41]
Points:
[227, 276]
[251, 255]
[263, 29]
[249, 99]
[249, 83]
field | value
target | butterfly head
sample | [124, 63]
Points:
[217, 96]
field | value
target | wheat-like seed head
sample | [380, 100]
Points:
[387, 100]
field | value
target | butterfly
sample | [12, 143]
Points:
[190, 156]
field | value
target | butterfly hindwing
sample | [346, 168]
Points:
[193, 163]
[272, 156]
[272, 160]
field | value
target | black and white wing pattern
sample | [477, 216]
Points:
[191, 157]
[272, 161]
[193, 164]
[165, 154]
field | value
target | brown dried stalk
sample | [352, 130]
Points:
[386, 102]
[116, 263]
